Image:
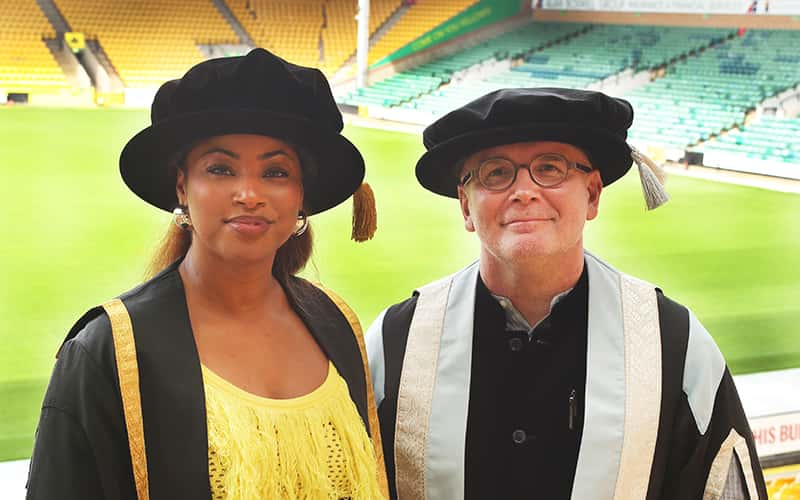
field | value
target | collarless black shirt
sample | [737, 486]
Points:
[525, 417]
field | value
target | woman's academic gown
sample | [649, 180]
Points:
[81, 448]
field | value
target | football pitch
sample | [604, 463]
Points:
[74, 236]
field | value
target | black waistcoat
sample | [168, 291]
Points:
[526, 401]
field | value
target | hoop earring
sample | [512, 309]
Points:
[302, 224]
[181, 217]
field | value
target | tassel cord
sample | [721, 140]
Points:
[365, 216]
[652, 178]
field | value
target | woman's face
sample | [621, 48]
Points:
[243, 194]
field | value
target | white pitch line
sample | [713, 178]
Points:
[13, 476]
[735, 177]
[391, 126]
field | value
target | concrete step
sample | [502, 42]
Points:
[73, 70]
[227, 13]
[57, 20]
[106, 78]
[347, 69]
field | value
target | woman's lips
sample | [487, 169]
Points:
[249, 225]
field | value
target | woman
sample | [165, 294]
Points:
[251, 381]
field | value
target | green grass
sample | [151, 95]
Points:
[75, 236]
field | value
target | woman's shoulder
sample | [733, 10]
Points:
[304, 293]
[92, 331]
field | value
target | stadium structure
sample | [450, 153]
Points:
[715, 83]
[709, 79]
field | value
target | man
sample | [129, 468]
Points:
[540, 371]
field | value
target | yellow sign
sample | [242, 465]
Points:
[75, 40]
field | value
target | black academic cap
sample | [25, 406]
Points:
[592, 121]
[258, 93]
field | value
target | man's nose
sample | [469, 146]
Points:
[524, 189]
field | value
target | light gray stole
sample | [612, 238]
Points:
[623, 388]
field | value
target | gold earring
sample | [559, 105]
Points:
[302, 223]
[181, 217]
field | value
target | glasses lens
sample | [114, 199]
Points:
[496, 173]
[549, 170]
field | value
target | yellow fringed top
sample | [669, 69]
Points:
[310, 447]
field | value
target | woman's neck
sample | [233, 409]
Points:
[232, 286]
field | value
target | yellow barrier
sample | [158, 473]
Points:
[109, 98]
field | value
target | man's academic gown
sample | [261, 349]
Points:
[81, 449]
[619, 394]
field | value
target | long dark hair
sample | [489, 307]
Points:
[290, 258]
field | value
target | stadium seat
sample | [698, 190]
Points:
[26, 64]
[147, 43]
[419, 88]
[583, 55]
[790, 491]
[290, 28]
[769, 138]
[421, 17]
[340, 30]
[711, 93]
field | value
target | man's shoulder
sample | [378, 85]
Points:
[402, 312]
[674, 317]
[672, 312]
[397, 315]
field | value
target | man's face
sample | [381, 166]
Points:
[526, 221]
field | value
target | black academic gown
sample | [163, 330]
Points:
[81, 448]
[525, 386]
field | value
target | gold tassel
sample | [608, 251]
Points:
[652, 178]
[365, 217]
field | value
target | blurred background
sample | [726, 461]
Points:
[715, 85]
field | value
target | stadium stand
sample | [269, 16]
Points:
[598, 52]
[26, 64]
[578, 62]
[291, 28]
[609, 49]
[340, 30]
[768, 138]
[149, 45]
[421, 17]
[704, 95]
[430, 76]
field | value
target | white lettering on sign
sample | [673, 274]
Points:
[776, 434]
[784, 7]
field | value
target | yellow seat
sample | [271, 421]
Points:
[163, 36]
[25, 60]
[783, 488]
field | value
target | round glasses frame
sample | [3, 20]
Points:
[532, 171]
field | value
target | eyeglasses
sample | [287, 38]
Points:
[547, 170]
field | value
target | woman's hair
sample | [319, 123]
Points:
[290, 258]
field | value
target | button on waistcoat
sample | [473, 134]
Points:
[525, 411]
